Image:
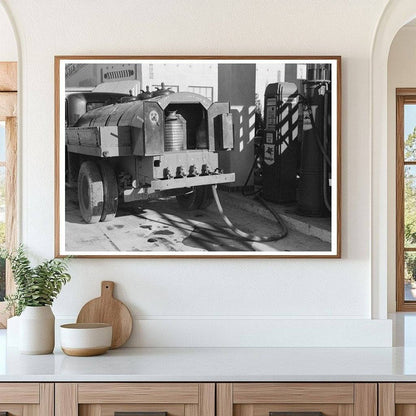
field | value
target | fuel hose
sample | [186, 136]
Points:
[322, 147]
[324, 163]
[316, 136]
[243, 234]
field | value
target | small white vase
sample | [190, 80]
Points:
[37, 330]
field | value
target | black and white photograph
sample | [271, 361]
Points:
[198, 157]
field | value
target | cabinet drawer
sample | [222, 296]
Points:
[108, 399]
[397, 399]
[138, 393]
[22, 399]
[297, 399]
[143, 409]
[19, 393]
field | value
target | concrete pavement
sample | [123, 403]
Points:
[161, 225]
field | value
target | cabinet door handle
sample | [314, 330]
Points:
[137, 414]
[296, 414]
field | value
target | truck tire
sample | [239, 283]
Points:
[110, 188]
[199, 198]
[90, 192]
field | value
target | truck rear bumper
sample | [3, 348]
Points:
[165, 184]
[161, 185]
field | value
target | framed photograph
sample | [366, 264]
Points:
[198, 156]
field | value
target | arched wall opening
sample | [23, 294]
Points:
[401, 73]
[397, 14]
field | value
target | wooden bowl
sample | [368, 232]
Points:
[85, 340]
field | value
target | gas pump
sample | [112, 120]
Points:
[280, 142]
[314, 196]
[296, 141]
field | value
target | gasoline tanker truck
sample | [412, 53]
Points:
[121, 148]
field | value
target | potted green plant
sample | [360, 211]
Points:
[36, 289]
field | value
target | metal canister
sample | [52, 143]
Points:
[162, 91]
[174, 133]
[145, 95]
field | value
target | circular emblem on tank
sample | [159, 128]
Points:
[154, 117]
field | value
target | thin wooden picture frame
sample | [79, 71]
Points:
[122, 66]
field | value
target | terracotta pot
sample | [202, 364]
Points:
[37, 330]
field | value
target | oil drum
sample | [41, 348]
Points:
[174, 132]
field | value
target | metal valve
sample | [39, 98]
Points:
[167, 174]
[193, 171]
[206, 169]
[180, 172]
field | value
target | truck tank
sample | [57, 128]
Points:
[147, 152]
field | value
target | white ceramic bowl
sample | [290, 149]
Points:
[83, 340]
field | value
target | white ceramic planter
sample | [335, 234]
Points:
[37, 330]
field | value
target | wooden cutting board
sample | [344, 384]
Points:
[107, 309]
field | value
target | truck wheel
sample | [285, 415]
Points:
[199, 198]
[110, 191]
[90, 192]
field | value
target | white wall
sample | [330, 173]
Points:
[401, 74]
[181, 301]
[8, 47]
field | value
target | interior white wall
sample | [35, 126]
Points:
[401, 74]
[200, 293]
[8, 46]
